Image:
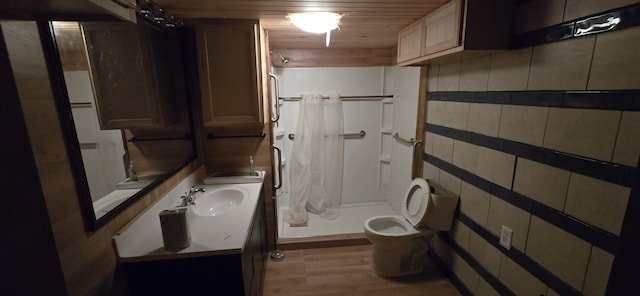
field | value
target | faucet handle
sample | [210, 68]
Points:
[184, 200]
[194, 189]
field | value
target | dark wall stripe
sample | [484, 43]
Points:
[520, 258]
[449, 274]
[606, 171]
[596, 236]
[622, 100]
[628, 16]
[555, 33]
[486, 275]
[601, 238]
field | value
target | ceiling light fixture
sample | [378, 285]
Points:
[316, 22]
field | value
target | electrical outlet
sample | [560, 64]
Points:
[505, 237]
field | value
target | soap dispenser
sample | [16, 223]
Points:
[132, 172]
[252, 170]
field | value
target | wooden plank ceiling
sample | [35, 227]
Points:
[364, 24]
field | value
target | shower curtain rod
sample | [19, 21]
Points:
[344, 98]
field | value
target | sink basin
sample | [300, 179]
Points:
[234, 177]
[220, 201]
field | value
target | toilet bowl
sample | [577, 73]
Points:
[400, 243]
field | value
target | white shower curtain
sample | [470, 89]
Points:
[316, 160]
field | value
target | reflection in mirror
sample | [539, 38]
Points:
[129, 108]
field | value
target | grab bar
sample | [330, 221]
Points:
[413, 164]
[277, 89]
[401, 139]
[359, 134]
[345, 98]
[279, 168]
[415, 144]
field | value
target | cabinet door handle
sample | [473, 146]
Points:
[277, 91]
[279, 167]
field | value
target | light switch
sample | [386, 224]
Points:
[505, 237]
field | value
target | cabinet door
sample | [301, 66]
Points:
[260, 245]
[230, 80]
[122, 75]
[442, 28]
[409, 44]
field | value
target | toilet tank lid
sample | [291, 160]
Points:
[416, 201]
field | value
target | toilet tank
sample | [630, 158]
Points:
[442, 205]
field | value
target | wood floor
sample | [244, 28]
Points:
[345, 271]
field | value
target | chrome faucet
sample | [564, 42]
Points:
[190, 198]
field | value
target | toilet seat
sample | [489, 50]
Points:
[416, 202]
[390, 226]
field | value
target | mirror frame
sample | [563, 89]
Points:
[63, 106]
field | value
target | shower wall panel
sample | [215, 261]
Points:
[361, 155]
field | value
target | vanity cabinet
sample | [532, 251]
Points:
[254, 256]
[229, 60]
[458, 30]
[131, 72]
[232, 272]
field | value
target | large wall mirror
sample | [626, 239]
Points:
[124, 107]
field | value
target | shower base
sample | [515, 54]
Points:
[350, 221]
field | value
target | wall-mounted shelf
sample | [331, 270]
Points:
[134, 139]
[278, 132]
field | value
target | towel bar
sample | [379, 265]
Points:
[359, 134]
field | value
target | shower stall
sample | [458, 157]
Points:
[369, 98]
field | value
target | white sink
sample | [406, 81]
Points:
[219, 201]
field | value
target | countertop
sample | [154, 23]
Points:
[212, 235]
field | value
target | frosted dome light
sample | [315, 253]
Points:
[316, 22]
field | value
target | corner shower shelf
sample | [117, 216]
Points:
[386, 130]
[278, 132]
[385, 158]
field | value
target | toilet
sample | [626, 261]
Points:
[400, 243]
